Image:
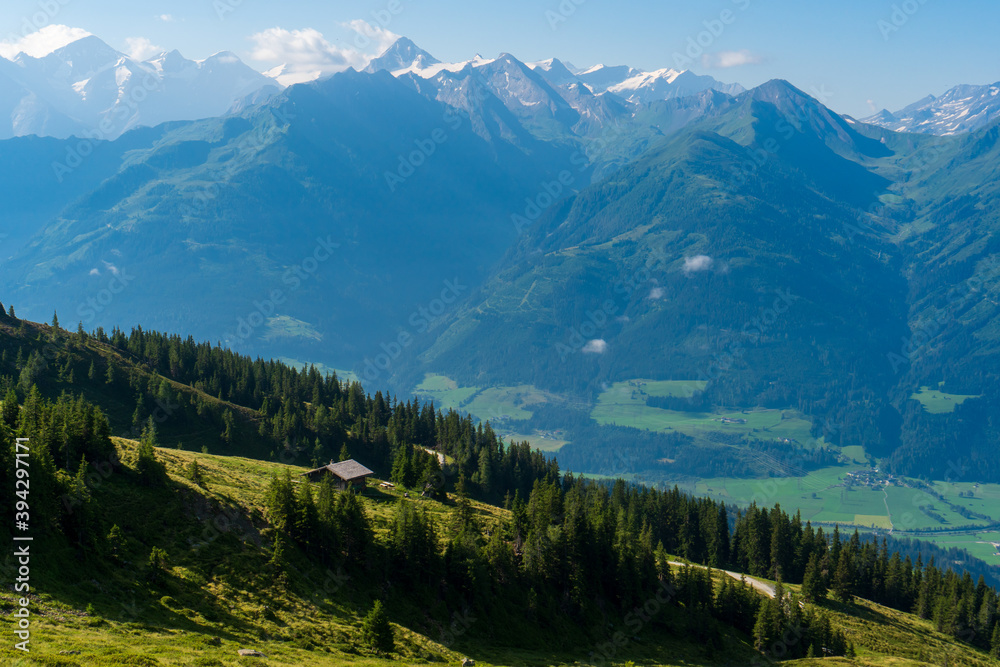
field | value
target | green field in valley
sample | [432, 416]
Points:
[546, 441]
[495, 404]
[850, 494]
[624, 404]
[829, 495]
[937, 402]
[283, 326]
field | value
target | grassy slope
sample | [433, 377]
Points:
[219, 584]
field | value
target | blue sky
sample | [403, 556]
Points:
[859, 54]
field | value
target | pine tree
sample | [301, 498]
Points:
[229, 424]
[157, 564]
[402, 469]
[306, 517]
[813, 586]
[151, 471]
[345, 454]
[376, 633]
[844, 578]
[194, 473]
[116, 543]
[55, 320]
[9, 410]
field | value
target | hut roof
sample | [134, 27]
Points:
[345, 470]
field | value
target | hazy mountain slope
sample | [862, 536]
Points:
[684, 266]
[666, 268]
[303, 195]
[41, 176]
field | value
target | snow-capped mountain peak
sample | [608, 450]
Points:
[87, 86]
[962, 109]
[555, 71]
[401, 55]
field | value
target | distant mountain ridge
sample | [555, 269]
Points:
[962, 109]
[87, 88]
[554, 102]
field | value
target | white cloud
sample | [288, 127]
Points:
[697, 263]
[305, 53]
[43, 42]
[724, 59]
[95, 272]
[595, 346]
[656, 293]
[371, 38]
[140, 48]
[166, 18]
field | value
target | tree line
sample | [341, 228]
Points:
[568, 541]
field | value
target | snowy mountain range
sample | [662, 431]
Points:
[961, 109]
[546, 96]
[625, 83]
[87, 88]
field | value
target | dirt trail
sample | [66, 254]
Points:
[764, 587]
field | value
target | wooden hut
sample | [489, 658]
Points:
[346, 474]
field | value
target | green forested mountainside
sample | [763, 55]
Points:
[786, 256]
[39, 177]
[308, 226]
[580, 554]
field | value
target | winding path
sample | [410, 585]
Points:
[885, 490]
[761, 586]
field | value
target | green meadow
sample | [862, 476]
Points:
[826, 496]
[496, 404]
[937, 402]
[624, 404]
